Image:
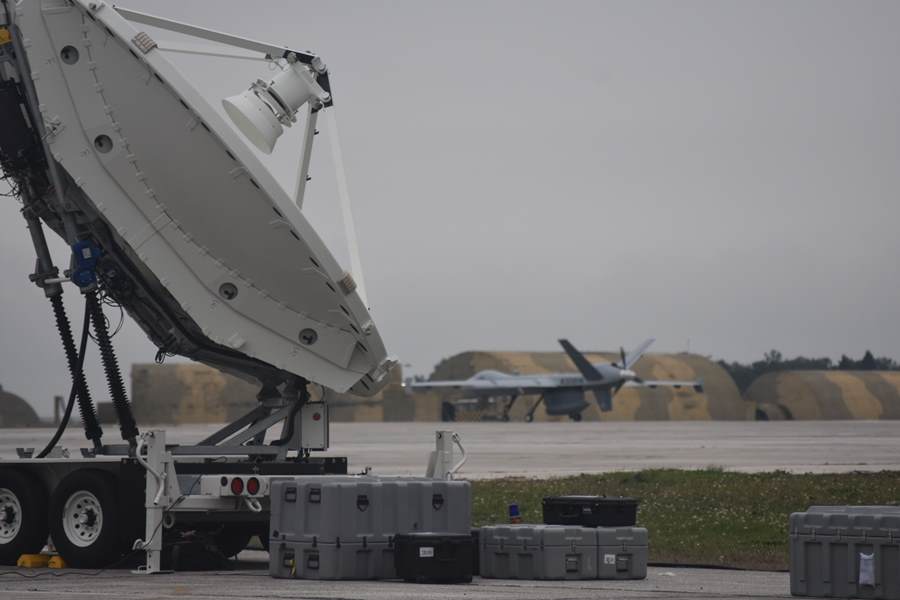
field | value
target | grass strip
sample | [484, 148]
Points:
[710, 516]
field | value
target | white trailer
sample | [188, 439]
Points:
[171, 214]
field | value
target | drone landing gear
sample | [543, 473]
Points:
[504, 416]
[530, 416]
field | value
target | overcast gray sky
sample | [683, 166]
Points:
[723, 174]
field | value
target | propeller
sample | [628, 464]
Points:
[621, 366]
[621, 363]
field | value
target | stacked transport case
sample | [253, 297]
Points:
[583, 537]
[345, 527]
[419, 529]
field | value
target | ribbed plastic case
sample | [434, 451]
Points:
[562, 552]
[846, 552]
[334, 527]
[590, 511]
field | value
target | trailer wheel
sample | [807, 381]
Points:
[23, 516]
[84, 517]
[233, 538]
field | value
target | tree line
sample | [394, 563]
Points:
[773, 360]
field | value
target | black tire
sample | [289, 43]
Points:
[84, 519]
[448, 412]
[575, 417]
[233, 538]
[23, 515]
[529, 418]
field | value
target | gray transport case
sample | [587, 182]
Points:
[846, 552]
[622, 552]
[342, 527]
[318, 560]
[562, 552]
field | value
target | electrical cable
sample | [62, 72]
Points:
[82, 350]
[13, 188]
[104, 299]
[73, 572]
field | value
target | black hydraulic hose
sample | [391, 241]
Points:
[82, 350]
[127, 425]
[302, 399]
[289, 433]
[92, 429]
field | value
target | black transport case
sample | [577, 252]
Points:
[590, 511]
[427, 557]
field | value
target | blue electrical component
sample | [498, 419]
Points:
[84, 272]
[514, 517]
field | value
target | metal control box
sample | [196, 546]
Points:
[314, 426]
[846, 552]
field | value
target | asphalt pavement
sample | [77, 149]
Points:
[250, 581]
[548, 449]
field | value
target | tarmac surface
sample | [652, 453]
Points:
[548, 449]
[495, 450]
[250, 581]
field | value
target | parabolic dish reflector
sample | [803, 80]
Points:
[211, 234]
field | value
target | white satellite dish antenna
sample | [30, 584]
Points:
[219, 262]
